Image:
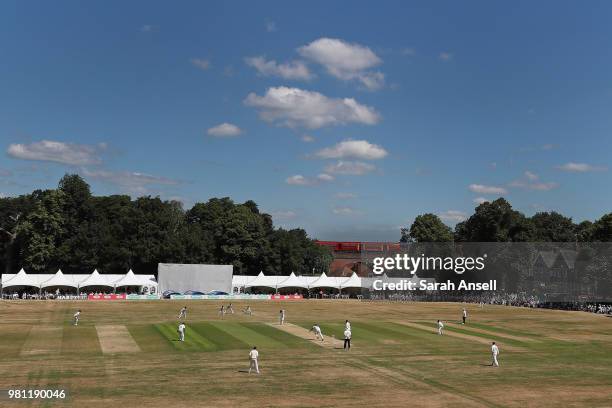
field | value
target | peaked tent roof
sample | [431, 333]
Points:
[266, 281]
[95, 279]
[293, 282]
[243, 280]
[353, 282]
[324, 282]
[59, 279]
[20, 279]
[130, 279]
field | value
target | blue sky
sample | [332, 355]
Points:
[345, 118]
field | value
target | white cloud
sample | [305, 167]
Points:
[529, 182]
[307, 138]
[445, 56]
[345, 196]
[543, 186]
[325, 177]
[453, 216]
[345, 61]
[291, 70]
[294, 107]
[348, 211]
[480, 200]
[224, 130]
[201, 63]
[580, 167]
[482, 189]
[283, 215]
[353, 149]
[58, 152]
[133, 183]
[299, 180]
[350, 168]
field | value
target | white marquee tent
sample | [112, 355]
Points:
[95, 279]
[353, 282]
[324, 281]
[76, 281]
[262, 280]
[293, 282]
[59, 279]
[19, 279]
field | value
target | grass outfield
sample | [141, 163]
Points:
[127, 354]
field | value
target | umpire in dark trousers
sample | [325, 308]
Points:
[347, 339]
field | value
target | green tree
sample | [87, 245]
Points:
[427, 228]
[603, 229]
[553, 227]
[585, 231]
[495, 221]
[41, 231]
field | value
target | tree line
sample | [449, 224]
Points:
[497, 221]
[71, 229]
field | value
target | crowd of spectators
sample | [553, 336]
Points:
[504, 299]
[59, 295]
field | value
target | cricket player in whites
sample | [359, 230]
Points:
[464, 315]
[181, 331]
[347, 338]
[222, 311]
[281, 317]
[440, 327]
[317, 331]
[75, 317]
[183, 313]
[494, 354]
[253, 356]
[347, 325]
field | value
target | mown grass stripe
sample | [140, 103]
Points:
[279, 335]
[149, 338]
[490, 337]
[193, 340]
[221, 339]
[504, 330]
[248, 335]
[81, 339]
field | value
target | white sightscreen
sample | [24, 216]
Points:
[200, 277]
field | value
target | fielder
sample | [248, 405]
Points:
[253, 356]
[248, 311]
[222, 311]
[317, 331]
[464, 315]
[183, 313]
[181, 331]
[347, 339]
[281, 317]
[440, 327]
[229, 309]
[347, 325]
[494, 354]
[76, 317]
